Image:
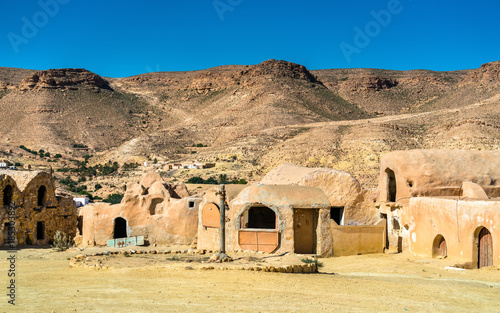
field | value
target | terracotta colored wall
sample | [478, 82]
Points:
[208, 238]
[429, 217]
[439, 172]
[354, 240]
[150, 211]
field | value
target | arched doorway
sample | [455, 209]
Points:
[42, 193]
[8, 192]
[391, 185]
[485, 248]
[120, 229]
[439, 248]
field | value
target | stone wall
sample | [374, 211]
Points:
[39, 212]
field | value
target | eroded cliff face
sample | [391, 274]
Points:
[65, 78]
[486, 74]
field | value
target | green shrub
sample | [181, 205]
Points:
[61, 242]
[114, 198]
[196, 180]
[318, 263]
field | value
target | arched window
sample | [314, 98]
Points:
[391, 185]
[42, 195]
[8, 192]
[259, 218]
[120, 229]
[439, 248]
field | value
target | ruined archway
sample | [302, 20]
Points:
[483, 247]
[439, 247]
[120, 228]
[391, 185]
[8, 193]
[42, 195]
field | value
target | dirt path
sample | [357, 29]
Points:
[389, 118]
[371, 283]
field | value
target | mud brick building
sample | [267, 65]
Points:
[39, 212]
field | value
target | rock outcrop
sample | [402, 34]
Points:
[487, 73]
[65, 78]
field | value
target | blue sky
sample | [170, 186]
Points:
[124, 38]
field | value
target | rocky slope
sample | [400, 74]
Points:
[257, 117]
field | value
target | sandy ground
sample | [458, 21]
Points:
[367, 283]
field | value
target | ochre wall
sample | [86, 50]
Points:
[149, 210]
[439, 172]
[429, 217]
[276, 198]
[354, 240]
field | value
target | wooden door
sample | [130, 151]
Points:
[443, 250]
[485, 253]
[261, 240]
[304, 227]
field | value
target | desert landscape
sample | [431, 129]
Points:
[150, 151]
[246, 119]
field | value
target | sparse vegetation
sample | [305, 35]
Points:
[212, 181]
[114, 198]
[310, 261]
[61, 242]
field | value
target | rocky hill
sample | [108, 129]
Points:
[249, 119]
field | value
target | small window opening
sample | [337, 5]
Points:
[259, 218]
[337, 214]
[42, 193]
[391, 185]
[7, 195]
[40, 231]
[395, 224]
